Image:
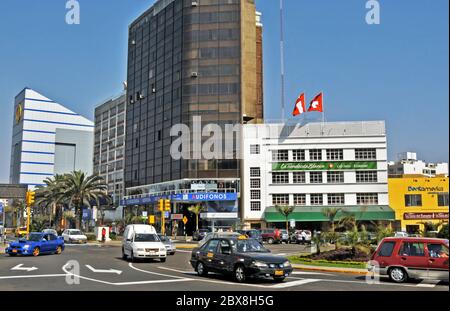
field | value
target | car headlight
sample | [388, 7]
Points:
[260, 264]
[26, 246]
[162, 249]
[287, 264]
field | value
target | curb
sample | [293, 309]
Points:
[333, 270]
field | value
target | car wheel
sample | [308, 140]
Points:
[279, 279]
[398, 275]
[201, 269]
[36, 251]
[58, 250]
[270, 240]
[124, 256]
[239, 274]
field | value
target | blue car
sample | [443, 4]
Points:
[35, 244]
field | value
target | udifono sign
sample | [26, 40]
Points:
[325, 166]
[425, 216]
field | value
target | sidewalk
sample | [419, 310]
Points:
[330, 269]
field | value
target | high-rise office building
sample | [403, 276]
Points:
[47, 139]
[109, 144]
[187, 59]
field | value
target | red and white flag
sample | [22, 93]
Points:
[317, 103]
[300, 106]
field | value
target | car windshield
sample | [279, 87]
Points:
[75, 232]
[248, 246]
[34, 237]
[163, 238]
[146, 237]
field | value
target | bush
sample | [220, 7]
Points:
[443, 233]
[91, 237]
[113, 236]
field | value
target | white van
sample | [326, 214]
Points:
[142, 242]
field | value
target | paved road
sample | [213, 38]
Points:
[101, 268]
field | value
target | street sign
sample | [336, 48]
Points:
[144, 214]
[1, 207]
[151, 219]
[185, 220]
[177, 216]
[292, 223]
[167, 214]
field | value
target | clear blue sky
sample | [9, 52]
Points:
[396, 71]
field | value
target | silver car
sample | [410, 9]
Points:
[168, 243]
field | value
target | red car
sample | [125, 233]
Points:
[415, 258]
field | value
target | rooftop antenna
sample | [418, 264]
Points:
[282, 60]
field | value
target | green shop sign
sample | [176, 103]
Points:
[324, 166]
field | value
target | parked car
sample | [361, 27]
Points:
[217, 235]
[401, 234]
[404, 258]
[74, 236]
[36, 243]
[52, 231]
[199, 234]
[252, 233]
[240, 257]
[170, 246]
[142, 242]
[301, 237]
[21, 231]
[269, 236]
[284, 236]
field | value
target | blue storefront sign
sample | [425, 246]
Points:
[188, 197]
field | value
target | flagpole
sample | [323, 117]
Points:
[282, 61]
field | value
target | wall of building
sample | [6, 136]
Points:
[430, 190]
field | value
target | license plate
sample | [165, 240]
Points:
[14, 250]
[279, 272]
[152, 253]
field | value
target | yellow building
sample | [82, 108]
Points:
[417, 200]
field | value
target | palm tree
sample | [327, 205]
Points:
[317, 239]
[51, 195]
[81, 190]
[285, 211]
[196, 209]
[331, 213]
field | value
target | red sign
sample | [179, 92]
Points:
[177, 216]
[425, 216]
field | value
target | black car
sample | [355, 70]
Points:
[200, 234]
[240, 257]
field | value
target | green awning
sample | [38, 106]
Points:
[315, 213]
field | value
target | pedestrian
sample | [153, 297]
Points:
[103, 235]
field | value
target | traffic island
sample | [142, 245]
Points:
[306, 263]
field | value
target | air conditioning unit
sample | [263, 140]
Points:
[141, 96]
[194, 3]
[133, 42]
[194, 74]
[154, 90]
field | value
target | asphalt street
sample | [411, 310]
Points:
[100, 267]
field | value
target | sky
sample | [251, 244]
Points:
[396, 71]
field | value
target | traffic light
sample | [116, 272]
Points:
[30, 198]
[161, 205]
[167, 205]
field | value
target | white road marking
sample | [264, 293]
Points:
[154, 273]
[309, 273]
[103, 271]
[21, 268]
[294, 283]
[176, 270]
[428, 283]
[183, 251]
[31, 276]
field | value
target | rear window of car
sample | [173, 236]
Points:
[386, 249]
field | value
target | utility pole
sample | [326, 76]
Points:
[282, 61]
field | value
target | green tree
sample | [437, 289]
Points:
[318, 241]
[81, 190]
[51, 196]
[384, 231]
[196, 209]
[331, 213]
[443, 233]
[286, 211]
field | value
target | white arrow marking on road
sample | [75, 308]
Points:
[20, 268]
[103, 271]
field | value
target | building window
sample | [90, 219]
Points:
[316, 199]
[255, 206]
[299, 155]
[315, 155]
[300, 199]
[255, 195]
[335, 154]
[254, 149]
[443, 199]
[280, 178]
[315, 178]
[280, 155]
[413, 200]
[255, 183]
[366, 176]
[280, 199]
[336, 199]
[366, 154]
[367, 198]
[335, 177]
[299, 177]
[255, 172]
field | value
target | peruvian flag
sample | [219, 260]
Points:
[317, 103]
[299, 105]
